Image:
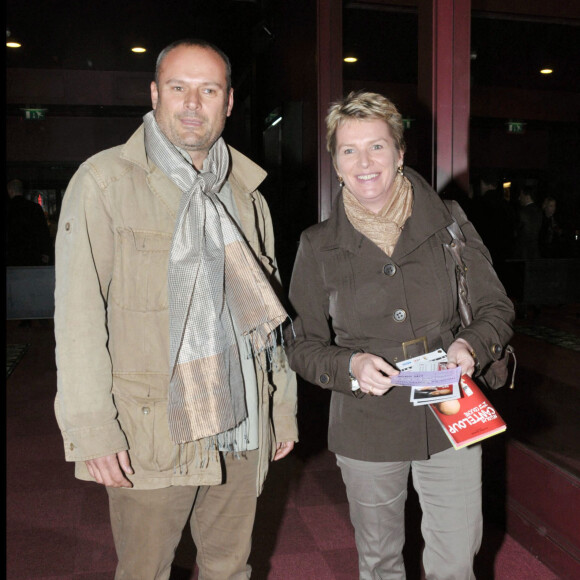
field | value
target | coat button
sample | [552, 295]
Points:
[496, 349]
[389, 269]
[67, 226]
[324, 378]
[399, 315]
[146, 410]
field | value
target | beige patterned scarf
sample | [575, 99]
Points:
[213, 278]
[383, 228]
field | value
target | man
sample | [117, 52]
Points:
[551, 234]
[27, 236]
[529, 224]
[165, 326]
[494, 220]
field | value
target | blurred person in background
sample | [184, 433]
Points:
[27, 235]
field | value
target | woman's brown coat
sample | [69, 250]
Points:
[349, 295]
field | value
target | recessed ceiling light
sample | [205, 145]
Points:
[350, 59]
[11, 43]
[546, 71]
[138, 49]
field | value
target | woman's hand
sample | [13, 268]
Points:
[372, 373]
[459, 354]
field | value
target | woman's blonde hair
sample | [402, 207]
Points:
[362, 105]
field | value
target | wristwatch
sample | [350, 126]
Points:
[356, 391]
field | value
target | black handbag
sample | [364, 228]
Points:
[495, 374]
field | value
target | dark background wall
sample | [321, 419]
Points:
[95, 95]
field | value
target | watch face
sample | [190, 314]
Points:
[356, 389]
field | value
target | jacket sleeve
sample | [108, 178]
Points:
[84, 252]
[285, 403]
[311, 351]
[493, 311]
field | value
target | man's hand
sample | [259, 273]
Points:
[282, 449]
[110, 470]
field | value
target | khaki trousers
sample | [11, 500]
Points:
[449, 489]
[147, 525]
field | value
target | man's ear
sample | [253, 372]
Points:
[230, 103]
[154, 94]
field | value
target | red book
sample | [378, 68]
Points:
[470, 418]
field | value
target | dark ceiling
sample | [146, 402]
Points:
[79, 35]
[506, 52]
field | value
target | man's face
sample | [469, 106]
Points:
[191, 99]
[550, 209]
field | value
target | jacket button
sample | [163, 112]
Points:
[496, 349]
[399, 315]
[324, 378]
[72, 446]
[146, 410]
[67, 226]
[389, 269]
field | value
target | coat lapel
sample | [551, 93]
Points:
[428, 217]
[340, 233]
[245, 178]
[159, 184]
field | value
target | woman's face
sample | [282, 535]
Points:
[367, 160]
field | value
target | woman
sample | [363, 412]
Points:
[372, 286]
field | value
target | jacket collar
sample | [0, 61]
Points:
[428, 217]
[244, 178]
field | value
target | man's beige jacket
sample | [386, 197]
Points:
[112, 322]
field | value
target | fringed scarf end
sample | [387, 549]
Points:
[266, 339]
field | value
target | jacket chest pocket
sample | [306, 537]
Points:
[140, 275]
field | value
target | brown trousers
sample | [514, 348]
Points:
[147, 525]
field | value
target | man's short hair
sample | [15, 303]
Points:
[201, 44]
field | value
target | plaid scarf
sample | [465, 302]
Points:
[213, 278]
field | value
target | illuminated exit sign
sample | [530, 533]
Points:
[516, 127]
[34, 114]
